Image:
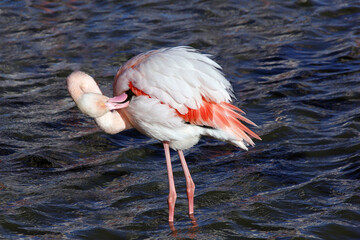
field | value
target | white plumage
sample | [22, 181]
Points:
[177, 76]
[173, 81]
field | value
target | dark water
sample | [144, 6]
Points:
[295, 68]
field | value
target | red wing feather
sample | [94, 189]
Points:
[224, 116]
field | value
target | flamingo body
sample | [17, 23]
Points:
[174, 95]
[180, 95]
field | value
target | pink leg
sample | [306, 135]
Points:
[172, 191]
[190, 186]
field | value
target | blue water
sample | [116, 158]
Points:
[295, 69]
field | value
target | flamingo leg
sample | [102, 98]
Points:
[172, 191]
[190, 186]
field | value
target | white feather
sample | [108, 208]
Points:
[177, 76]
[158, 121]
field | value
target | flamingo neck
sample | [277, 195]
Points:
[113, 122]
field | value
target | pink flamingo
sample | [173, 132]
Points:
[174, 95]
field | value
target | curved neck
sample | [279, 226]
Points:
[113, 122]
[79, 84]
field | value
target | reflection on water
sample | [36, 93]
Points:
[191, 231]
[294, 66]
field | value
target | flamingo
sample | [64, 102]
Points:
[175, 95]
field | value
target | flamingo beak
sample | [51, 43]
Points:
[118, 102]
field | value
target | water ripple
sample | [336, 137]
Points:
[294, 68]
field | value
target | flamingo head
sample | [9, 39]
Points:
[88, 97]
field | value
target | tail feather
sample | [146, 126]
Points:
[223, 116]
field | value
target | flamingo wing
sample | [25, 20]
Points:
[179, 76]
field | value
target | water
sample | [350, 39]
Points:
[295, 70]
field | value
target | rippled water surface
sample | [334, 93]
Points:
[295, 68]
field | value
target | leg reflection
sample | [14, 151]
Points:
[194, 229]
[191, 231]
[173, 229]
